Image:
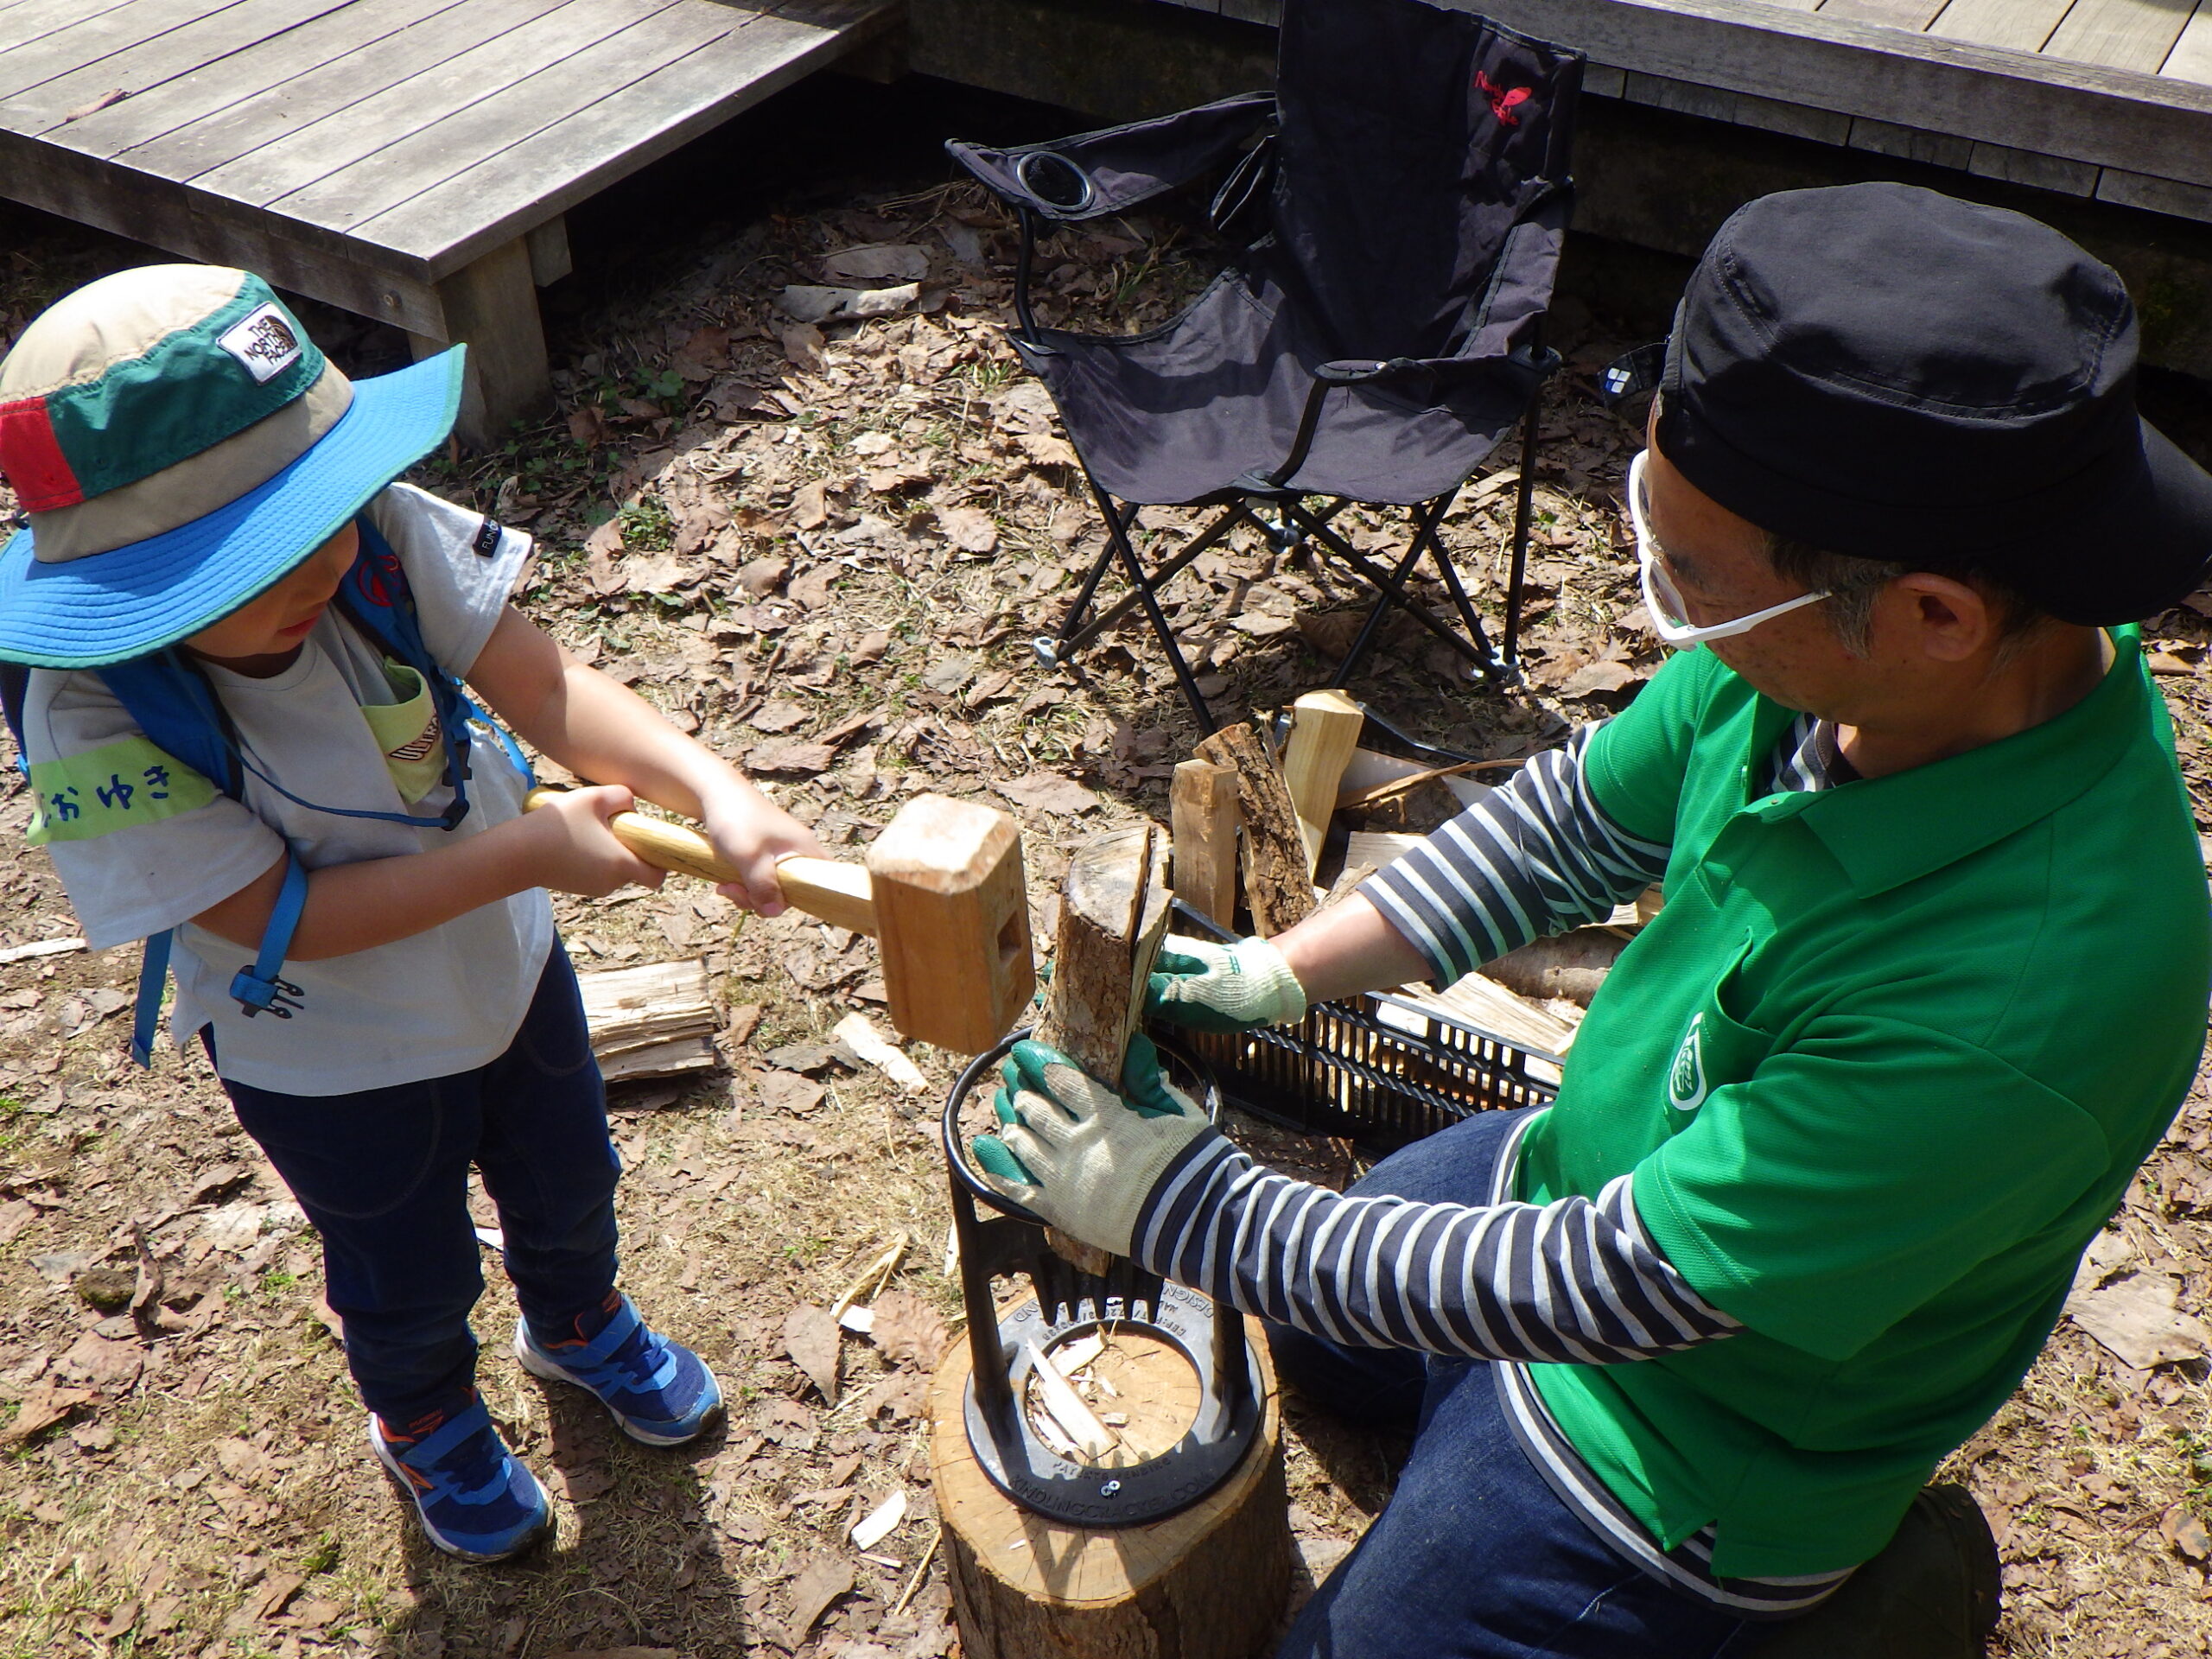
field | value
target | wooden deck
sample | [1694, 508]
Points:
[2109, 99]
[408, 159]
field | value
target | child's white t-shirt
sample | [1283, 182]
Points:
[441, 1002]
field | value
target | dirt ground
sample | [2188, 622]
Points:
[825, 549]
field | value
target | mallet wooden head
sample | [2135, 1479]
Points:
[942, 891]
[952, 916]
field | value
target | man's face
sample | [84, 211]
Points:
[1719, 564]
[277, 621]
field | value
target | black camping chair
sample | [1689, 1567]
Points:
[1399, 201]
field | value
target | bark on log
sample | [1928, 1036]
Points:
[1208, 1583]
[1113, 915]
[1278, 887]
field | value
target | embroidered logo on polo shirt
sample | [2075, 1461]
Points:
[1685, 1082]
[263, 343]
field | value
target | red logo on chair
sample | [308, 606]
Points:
[1502, 98]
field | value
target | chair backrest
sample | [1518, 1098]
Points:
[1413, 140]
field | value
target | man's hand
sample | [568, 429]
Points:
[1204, 987]
[566, 844]
[1077, 1153]
[752, 833]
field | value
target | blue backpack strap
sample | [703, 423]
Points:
[175, 705]
[15, 688]
[153, 973]
[376, 597]
[258, 988]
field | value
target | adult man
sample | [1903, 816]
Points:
[1930, 980]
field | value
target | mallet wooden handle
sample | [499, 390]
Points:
[841, 894]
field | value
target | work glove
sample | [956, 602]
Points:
[1204, 986]
[1079, 1155]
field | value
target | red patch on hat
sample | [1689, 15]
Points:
[31, 458]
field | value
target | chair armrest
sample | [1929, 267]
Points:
[1093, 173]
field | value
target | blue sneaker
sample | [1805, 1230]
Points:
[475, 1498]
[659, 1390]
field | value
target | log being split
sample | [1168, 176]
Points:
[1113, 915]
[1278, 884]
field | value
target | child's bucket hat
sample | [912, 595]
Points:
[177, 444]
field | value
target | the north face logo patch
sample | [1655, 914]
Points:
[264, 342]
[1685, 1081]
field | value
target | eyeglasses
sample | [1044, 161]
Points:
[1664, 601]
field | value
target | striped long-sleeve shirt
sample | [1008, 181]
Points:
[1576, 1281]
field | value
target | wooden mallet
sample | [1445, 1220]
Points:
[942, 891]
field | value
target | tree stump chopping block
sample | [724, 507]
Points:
[1208, 1582]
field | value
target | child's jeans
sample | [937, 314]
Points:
[383, 1176]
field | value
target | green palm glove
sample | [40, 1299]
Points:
[1205, 986]
[1078, 1153]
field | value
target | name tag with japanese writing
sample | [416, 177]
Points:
[112, 787]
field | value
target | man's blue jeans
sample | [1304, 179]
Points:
[1474, 1556]
[383, 1176]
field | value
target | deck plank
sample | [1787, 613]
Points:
[1913, 15]
[526, 105]
[152, 64]
[2123, 34]
[251, 73]
[561, 166]
[32, 21]
[330, 90]
[318, 148]
[93, 40]
[2018, 25]
[2191, 58]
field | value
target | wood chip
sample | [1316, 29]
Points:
[858, 1033]
[880, 1522]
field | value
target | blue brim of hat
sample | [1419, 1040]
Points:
[109, 607]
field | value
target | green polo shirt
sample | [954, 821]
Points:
[1883, 1066]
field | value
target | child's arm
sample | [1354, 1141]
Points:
[358, 906]
[604, 731]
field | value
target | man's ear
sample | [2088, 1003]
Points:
[1939, 618]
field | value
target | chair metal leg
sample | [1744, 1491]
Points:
[1523, 501]
[1117, 532]
[1394, 591]
[1072, 640]
[1365, 639]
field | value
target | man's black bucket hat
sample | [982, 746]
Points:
[1879, 370]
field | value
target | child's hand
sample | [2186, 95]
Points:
[751, 832]
[571, 848]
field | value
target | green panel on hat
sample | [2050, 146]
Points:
[244, 361]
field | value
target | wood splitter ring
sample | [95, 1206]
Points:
[1069, 1303]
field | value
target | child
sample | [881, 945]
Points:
[209, 499]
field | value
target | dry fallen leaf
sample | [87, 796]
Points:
[880, 262]
[777, 715]
[113, 95]
[41, 1408]
[2135, 1319]
[787, 1091]
[810, 505]
[803, 759]
[2185, 1532]
[1047, 791]
[968, 528]
[908, 1331]
[1593, 678]
[811, 1338]
[820, 1582]
[760, 578]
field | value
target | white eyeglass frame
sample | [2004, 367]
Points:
[1662, 600]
